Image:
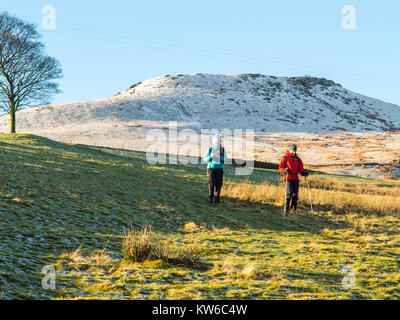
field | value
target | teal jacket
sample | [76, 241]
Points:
[215, 164]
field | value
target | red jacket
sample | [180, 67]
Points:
[294, 164]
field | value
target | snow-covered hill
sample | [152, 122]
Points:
[260, 102]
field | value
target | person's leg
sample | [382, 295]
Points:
[219, 183]
[210, 185]
[214, 181]
[295, 197]
[288, 196]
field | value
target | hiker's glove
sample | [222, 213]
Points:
[286, 171]
[305, 173]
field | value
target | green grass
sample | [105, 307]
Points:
[56, 198]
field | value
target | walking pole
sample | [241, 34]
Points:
[309, 193]
[286, 191]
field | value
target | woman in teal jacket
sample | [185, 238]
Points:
[215, 157]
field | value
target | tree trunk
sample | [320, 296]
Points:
[12, 121]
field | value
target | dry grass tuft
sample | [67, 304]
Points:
[186, 256]
[191, 227]
[144, 245]
[250, 271]
[78, 260]
[101, 258]
[232, 268]
[138, 246]
[229, 265]
[76, 257]
[312, 247]
[221, 231]
[274, 276]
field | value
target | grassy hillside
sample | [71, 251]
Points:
[68, 206]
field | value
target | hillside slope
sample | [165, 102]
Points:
[56, 198]
[260, 102]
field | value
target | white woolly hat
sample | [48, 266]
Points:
[217, 139]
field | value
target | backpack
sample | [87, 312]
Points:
[222, 151]
[287, 159]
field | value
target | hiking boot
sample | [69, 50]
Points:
[285, 213]
[217, 200]
[211, 199]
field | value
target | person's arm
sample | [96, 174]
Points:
[222, 156]
[301, 166]
[303, 171]
[282, 165]
[207, 157]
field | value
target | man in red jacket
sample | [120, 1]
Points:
[291, 166]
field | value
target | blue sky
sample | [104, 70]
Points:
[106, 46]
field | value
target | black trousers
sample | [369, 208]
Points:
[215, 182]
[292, 194]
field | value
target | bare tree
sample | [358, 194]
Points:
[26, 72]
